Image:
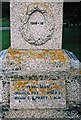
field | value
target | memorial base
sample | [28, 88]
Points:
[39, 84]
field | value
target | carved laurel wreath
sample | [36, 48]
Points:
[48, 19]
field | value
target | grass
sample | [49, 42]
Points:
[4, 35]
[5, 39]
[4, 22]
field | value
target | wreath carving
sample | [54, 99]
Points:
[37, 24]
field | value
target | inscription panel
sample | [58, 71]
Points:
[27, 94]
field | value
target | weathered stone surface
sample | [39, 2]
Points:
[72, 109]
[71, 95]
[17, 67]
[38, 78]
[40, 94]
[15, 58]
[0, 91]
[35, 61]
[29, 33]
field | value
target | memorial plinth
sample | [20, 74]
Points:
[37, 76]
[36, 87]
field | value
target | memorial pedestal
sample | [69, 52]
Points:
[38, 80]
[39, 84]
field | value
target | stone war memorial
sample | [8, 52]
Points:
[39, 79]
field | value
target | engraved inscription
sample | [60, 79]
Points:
[33, 93]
